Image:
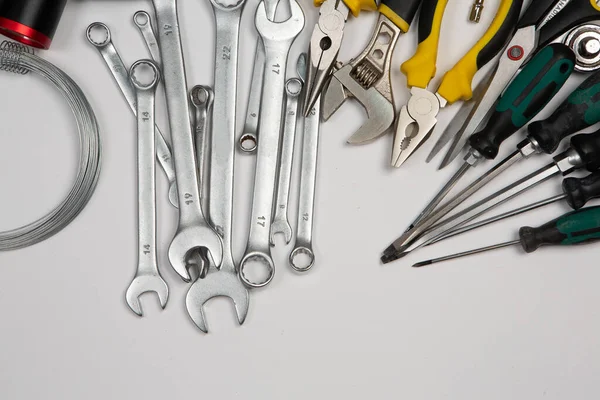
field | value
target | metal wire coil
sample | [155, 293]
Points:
[19, 59]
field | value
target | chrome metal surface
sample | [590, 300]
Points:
[277, 39]
[147, 277]
[248, 140]
[142, 20]
[466, 253]
[281, 224]
[584, 40]
[193, 231]
[222, 280]
[120, 74]
[202, 98]
[367, 79]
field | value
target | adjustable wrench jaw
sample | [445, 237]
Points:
[367, 79]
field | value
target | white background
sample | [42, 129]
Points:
[504, 325]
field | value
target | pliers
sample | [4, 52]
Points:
[326, 41]
[418, 117]
[366, 78]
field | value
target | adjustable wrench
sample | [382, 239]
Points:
[277, 39]
[119, 72]
[147, 278]
[193, 231]
[224, 280]
[249, 139]
[280, 223]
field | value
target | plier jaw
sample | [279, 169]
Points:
[415, 122]
[324, 47]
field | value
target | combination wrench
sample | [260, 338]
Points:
[277, 38]
[193, 231]
[223, 281]
[99, 36]
[249, 139]
[201, 99]
[147, 277]
[142, 20]
[281, 224]
[308, 180]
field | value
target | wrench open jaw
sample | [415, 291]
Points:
[222, 282]
[187, 241]
[146, 283]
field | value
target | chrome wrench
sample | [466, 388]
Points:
[119, 72]
[308, 181]
[222, 281]
[277, 39]
[280, 223]
[142, 20]
[193, 231]
[147, 277]
[249, 139]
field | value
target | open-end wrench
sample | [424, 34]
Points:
[147, 277]
[142, 20]
[249, 139]
[193, 231]
[99, 36]
[222, 281]
[277, 39]
[280, 223]
[308, 181]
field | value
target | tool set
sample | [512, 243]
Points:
[538, 50]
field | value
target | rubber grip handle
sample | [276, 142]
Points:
[575, 13]
[576, 227]
[527, 95]
[400, 12]
[457, 84]
[580, 110]
[421, 67]
[355, 6]
[537, 12]
[587, 146]
[581, 190]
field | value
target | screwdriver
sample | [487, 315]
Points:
[580, 110]
[541, 78]
[584, 152]
[576, 227]
[576, 191]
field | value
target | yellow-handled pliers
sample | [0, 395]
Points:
[418, 117]
[326, 41]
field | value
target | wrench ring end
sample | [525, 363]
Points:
[248, 143]
[144, 83]
[93, 32]
[141, 18]
[260, 258]
[299, 251]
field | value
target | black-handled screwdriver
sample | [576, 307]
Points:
[576, 227]
[584, 152]
[539, 81]
[576, 191]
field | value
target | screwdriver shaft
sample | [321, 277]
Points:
[466, 253]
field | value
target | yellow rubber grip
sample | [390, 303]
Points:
[457, 82]
[421, 67]
[355, 6]
[395, 18]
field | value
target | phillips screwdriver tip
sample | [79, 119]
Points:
[422, 264]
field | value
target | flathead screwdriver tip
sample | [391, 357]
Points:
[422, 264]
[388, 258]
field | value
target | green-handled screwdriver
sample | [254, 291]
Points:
[576, 191]
[577, 227]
